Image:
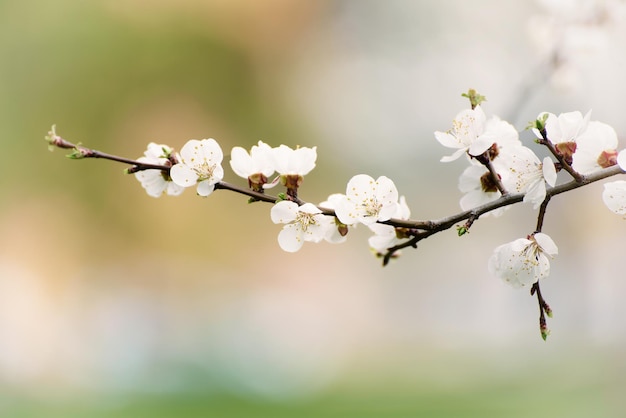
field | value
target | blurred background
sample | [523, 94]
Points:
[116, 304]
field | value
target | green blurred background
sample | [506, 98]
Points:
[115, 304]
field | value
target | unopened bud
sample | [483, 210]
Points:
[547, 310]
[544, 332]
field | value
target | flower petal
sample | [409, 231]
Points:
[183, 175]
[205, 188]
[241, 162]
[454, 156]
[346, 211]
[284, 212]
[546, 243]
[621, 159]
[309, 208]
[289, 238]
[549, 171]
[210, 150]
[386, 191]
[614, 196]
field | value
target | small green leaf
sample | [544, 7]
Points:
[462, 230]
[474, 98]
[539, 123]
[76, 154]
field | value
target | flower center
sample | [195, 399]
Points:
[527, 175]
[530, 256]
[204, 171]
[305, 220]
[463, 128]
[371, 207]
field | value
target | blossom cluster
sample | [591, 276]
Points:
[367, 200]
[500, 164]
[500, 170]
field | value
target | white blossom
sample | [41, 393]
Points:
[524, 261]
[479, 188]
[299, 161]
[157, 182]
[596, 148]
[614, 196]
[200, 163]
[527, 174]
[499, 134]
[258, 161]
[473, 134]
[302, 223]
[386, 236]
[367, 200]
[467, 126]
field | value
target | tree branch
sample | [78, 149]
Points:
[432, 227]
[420, 229]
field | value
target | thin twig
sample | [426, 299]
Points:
[564, 164]
[542, 213]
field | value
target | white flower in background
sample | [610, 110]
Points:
[621, 159]
[468, 125]
[299, 161]
[386, 236]
[157, 182]
[614, 196]
[597, 148]
[200, 163]
[573, 33]
[479, 188]
[524, 261]
[258, 161]
[302, 223]
[527, 174]
[336, 232]
[367, 200]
